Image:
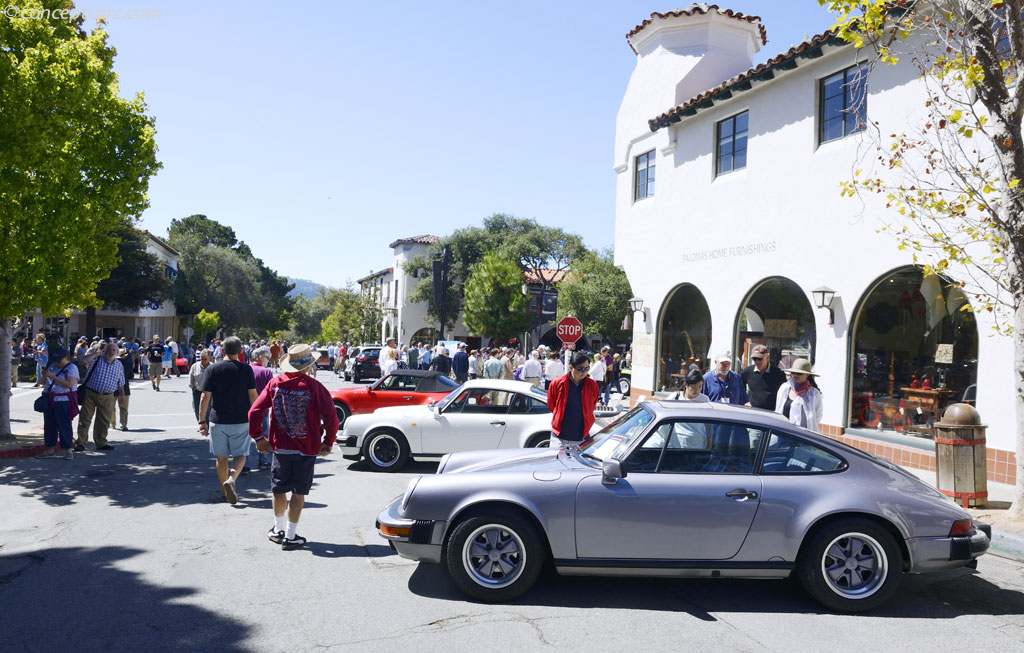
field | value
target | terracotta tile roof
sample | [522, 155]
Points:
[553, 276]
[809, 49]
[425, 239]
[374, 275]
[699, 9]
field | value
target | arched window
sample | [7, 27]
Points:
[914, 351]
[684, 335]
[778, 315]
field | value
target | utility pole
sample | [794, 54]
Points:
[440, 268]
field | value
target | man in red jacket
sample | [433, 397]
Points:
[303, 425]
[572, 399]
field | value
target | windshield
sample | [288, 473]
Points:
[613, 440]
[448, 398]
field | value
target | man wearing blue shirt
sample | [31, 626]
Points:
[723, 385]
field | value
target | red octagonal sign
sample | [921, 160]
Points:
[569, 329]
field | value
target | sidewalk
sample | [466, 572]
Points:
[1007, 536]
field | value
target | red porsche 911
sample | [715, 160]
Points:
[400, 388]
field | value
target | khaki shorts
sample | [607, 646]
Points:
[156, 369]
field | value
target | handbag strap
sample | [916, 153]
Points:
[88, 376]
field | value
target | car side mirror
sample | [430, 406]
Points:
[434, 410]
[613, 470]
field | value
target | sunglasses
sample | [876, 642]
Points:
[582, 369]
[757, 358]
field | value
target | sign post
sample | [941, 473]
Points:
[569, 330]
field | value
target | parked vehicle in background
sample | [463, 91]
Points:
[365, 364]
[323, 360]
[400, 388]
[687, 490]
[480, 414]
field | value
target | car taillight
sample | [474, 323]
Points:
[962, 527]
[361, 359]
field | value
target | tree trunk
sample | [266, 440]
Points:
[1016, 511]
[5, 379]
[90, 322]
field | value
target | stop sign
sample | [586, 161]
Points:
[569, 329]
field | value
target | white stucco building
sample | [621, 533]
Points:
[728, 216]
[155, 319]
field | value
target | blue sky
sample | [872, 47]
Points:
[323, 131]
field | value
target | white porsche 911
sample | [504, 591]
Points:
[480, 414]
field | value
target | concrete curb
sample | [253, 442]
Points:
[1007, 545]
[23, 452]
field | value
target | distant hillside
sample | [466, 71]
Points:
[304, 287]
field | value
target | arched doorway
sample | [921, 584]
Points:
[684, 334]
[426, 335]
[914, 351]
[777, 314]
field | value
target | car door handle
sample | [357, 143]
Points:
[740, 493]
[497, 423]
[407, 397]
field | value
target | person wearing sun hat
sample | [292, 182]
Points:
[303, 425]
[799, 400]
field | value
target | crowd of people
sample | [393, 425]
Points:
[792, 391]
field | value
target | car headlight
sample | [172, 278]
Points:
[408, 492]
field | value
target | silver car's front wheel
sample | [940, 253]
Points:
[851, 564]
[495, 557]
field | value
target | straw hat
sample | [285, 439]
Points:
[801, 366]
[299, 358]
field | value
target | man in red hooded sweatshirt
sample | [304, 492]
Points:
[303, 425]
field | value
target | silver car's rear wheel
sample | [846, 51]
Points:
[850, 564]
[494, 556]
[854, 565]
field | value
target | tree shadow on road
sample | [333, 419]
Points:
[171, 472]
[81, 599]
[945, 595]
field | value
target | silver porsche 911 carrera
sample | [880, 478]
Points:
[688, 490]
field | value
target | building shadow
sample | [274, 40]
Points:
[81, 599]
[945, 595]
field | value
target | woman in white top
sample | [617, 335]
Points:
[799, 400]
[390, 365]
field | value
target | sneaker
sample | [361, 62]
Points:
[70, 455]
[295, 543]
[275, 536]
[229, 492]
[124, 427]
[46, 454]
[106, 447]
[79, 447]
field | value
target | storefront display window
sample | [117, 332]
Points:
[915, 351]
[684, 337]
[779, 316]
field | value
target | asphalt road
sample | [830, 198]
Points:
[131, 550]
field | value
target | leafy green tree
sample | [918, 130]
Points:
[544, 251]
[345, 322]
[270, 306]
[205, 323]
[953, 179]
[137, 280]
[597, 294]
[75, 160]
[221, 279]
[496, 302]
